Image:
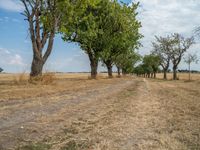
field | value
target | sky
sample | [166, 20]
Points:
[158, 17]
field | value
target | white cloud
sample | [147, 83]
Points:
[3, 50]
[11, 5]
[8, 57]
[16, 60]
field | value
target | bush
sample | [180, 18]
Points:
[1, 70]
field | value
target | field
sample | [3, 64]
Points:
[181, 76]
[77, 113]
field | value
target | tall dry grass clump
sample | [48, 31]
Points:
[45, 79]
[20, 79]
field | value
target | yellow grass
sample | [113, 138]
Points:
[76, 113]
[181, 76]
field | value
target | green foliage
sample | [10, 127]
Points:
[152, 61]
[104, 29]
[81, 25]
[150, 65]
[127, 61]
[121, 36]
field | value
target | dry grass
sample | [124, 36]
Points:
[181, 76]
[16, 86]
[75, 113]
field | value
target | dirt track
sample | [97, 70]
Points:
[122, 114]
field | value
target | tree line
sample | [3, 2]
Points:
[166, 50]
[107, 31]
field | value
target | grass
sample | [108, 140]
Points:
[74, 145]
[75, 113]
[181, 76]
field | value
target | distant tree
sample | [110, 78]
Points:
[139, 70]
[161, 48]
[179, 45]
[151, 64]
[1, 70]
[190, 58]
[43, 19]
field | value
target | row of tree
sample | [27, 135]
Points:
[166, 50]
[106, 31]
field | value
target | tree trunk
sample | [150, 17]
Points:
[189, 73]
[36, 67]
[93, 64]
[118, 71]
[148, 75]
[151, 75]
[109, 67]
[165, 75]
[154, 75]
[174, 73]
[123, 72]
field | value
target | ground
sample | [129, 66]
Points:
[76, 113]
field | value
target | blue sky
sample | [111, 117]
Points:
[159, 17]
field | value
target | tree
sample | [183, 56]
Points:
[98, 27]
[179, 46]
[126, 61]
[84, 28]
[161, 48]
[120, 37]
[139, 70]
[43, 20]
[151, 64]
[1, 70]
[190, 58]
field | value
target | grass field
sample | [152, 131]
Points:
[76, 113]
[181, 76]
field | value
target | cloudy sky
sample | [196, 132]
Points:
[158, 17]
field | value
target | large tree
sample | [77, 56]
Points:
[120, 35]
[84, 28]
[161, 48]
[43, 19]
[100, 28]
[178, 48]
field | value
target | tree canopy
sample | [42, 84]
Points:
[104, 29]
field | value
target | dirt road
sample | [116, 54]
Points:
[122, 114]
